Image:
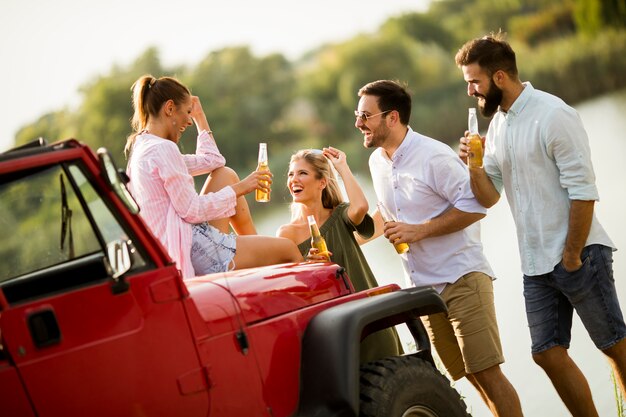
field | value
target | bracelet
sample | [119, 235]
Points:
[208, 132]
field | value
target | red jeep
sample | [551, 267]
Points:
[95, 319]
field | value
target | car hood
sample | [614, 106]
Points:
[266, 292]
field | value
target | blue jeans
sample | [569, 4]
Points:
[211, 250]
[552, 297]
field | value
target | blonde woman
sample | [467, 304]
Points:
[314, 191]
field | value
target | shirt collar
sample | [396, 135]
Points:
[522, 99]
[397, 155]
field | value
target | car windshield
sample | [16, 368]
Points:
[51, 216]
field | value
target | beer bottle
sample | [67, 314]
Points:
[317, 241]
[475, 154]
[387, 217]
[263, 196]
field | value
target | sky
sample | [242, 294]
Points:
[48, 49]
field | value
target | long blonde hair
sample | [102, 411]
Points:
[149, 95]
[331, 194]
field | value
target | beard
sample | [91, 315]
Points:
[378, 138]
[491, 101]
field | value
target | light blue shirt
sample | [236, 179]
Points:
[539, 153]
[423, 179]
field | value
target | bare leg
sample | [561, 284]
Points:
[241, 221]
[497, 392]
[617, 358]
[471, 378]
[569, 381]
[265, 250]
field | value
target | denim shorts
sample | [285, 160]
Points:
[211, 250]
[551, 299]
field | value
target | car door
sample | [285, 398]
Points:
[76, 340]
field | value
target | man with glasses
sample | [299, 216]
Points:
[426, 187]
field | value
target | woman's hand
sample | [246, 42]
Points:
[198, 116]
[315, 255]
[337, 158]
[261, 180]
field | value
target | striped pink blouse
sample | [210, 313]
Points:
[161, 181]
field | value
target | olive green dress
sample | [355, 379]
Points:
[338, 233]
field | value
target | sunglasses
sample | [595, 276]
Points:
[365, 117]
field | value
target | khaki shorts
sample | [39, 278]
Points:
[467, 338]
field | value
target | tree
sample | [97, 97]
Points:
[588, 16]
[421, 27]
[244, 98]
[103, 118]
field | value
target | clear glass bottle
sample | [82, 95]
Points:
[317, 240]
[475, 154]
[263, 196]
[387, 217]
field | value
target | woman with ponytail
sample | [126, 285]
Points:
[315, 191]
[194, 228]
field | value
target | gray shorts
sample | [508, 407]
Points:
[552, 298]
[211, 250]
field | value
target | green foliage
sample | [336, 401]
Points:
[331, 84]
[103, 117]
[592, 16]
[245, 99]
[421, 28]
[614, 13]
[588, 16]
[619, 399]
[51, 126]
[553, 22]
[585, 66]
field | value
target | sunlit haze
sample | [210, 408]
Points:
[48, 49]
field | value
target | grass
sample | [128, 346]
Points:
[619, 399]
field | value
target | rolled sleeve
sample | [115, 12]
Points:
[451, 180]
[567, 143]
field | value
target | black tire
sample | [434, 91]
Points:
[407, 386]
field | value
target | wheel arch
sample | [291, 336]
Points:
[329, 378]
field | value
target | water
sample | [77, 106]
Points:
[606, 125]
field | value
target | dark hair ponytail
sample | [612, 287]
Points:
[149, 95]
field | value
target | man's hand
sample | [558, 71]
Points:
[398, 232]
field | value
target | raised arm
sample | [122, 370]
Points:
[358, 203]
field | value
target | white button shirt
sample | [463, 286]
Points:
[539, 152]
[423, 179]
